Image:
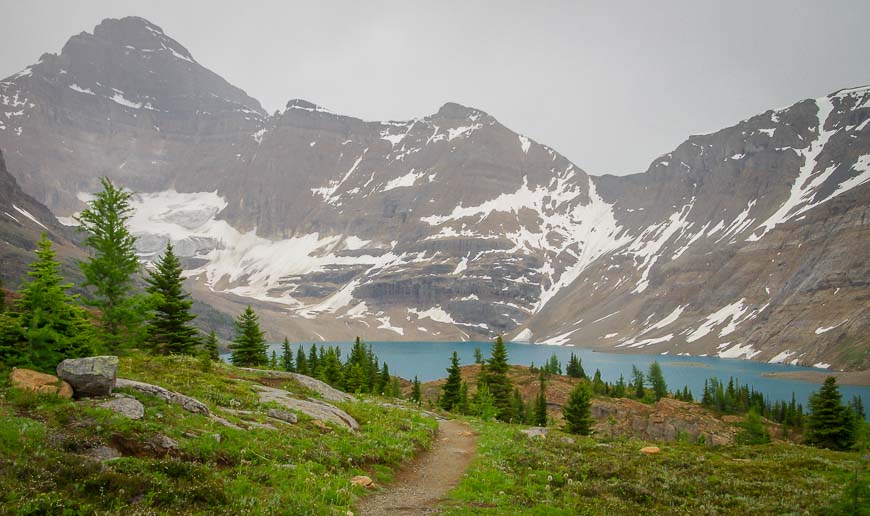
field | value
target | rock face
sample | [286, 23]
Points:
[29, 380]
[312, 408]
[126, 406]
[90, 377]
[667, 420]
[743, 243]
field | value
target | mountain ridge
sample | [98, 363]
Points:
[453, 226]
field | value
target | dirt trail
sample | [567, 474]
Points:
[420, 485]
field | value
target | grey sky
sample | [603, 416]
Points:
[611, 85]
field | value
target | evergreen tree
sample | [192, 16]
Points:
[313, 362]
[301, 362]
[578, 418]
[273, 361]
[857, 406]
[637, 382]
[657, 380]
[478, 356]
[416, 395]
[384, 381]
[754, 431]
[450, 389]
[249, 346]
[553, 365]
[830, 424]
[47, 326]
[354, 378]
[540, 416]
[210, 346]
[3, 297]
[463, 406]
[575, 367]
[498, 381]
[396, 388]
[619, 388]
[168, 330]
[111, 268]
[287, 356]
[331, 368]
[519, 408]
[598, 386]
[484, 403]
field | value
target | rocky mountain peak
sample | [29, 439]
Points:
[453, 110]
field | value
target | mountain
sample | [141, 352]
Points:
[22, 221]
[748, 242]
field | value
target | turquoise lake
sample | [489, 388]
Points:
[429, 360]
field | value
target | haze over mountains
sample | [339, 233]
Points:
[750, 242]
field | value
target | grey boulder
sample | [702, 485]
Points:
[90, 377]
[126, 406]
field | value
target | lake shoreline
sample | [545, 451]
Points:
[858, 378]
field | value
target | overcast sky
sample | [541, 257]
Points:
[611, 87]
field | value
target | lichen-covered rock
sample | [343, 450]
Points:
[186, 402]
[126, 406]
[283, 415]
[535, 432]
[29, 380]
[90, 377]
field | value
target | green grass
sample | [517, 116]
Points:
[517, 475]
[295, 469]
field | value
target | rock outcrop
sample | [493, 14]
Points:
[90, 377]
[312, 408]
[323, 389]
[30, 380]
[667, 420]
[186, 402]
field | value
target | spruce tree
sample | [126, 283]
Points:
[450, 389]
[168, 330]
[463, 407]
[384, 381]
[540, 417]
[657, 380]
[575, 367]
[498, 381]
[637, 382]
[416, 395]
[249, 346]
[519, 408]
[211, 346]
[598, 385]
[287, 357]
[302, 362]
[51, 326]
[111, 268]
[478, 356]
[578, 418]
[619, 388]
[830, 424]
[754, 431]
[273, 361]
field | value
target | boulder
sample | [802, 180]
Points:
[651, 450]
[283, 415]
[90, 377]
[126, 406]
[362, 481]
[535, 431]
[29, 380]
[186, 402]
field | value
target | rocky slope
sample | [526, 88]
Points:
[22, 221]
[747, 242]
